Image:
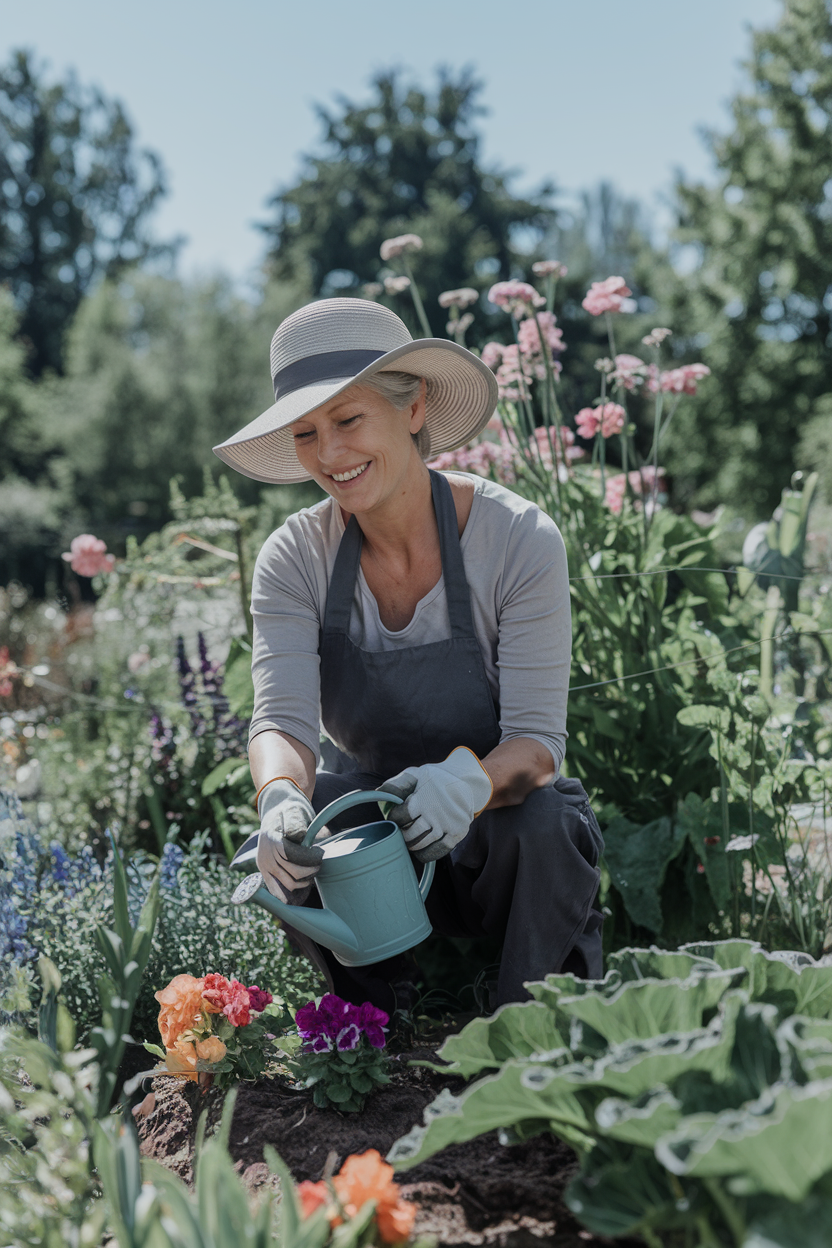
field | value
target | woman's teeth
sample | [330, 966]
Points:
[348, 476]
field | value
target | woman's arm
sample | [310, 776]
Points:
[272, 754]
[517, 767]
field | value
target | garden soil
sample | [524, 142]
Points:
[478, 1193]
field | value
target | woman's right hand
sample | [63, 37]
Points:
[287, 866]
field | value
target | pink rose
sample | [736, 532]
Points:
[606, 296]
[87, 555]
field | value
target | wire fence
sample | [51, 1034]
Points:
[137, 702]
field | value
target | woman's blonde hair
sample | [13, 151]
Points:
[402, 389]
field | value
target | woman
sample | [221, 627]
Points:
[424, 620]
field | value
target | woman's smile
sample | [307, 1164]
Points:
[343, 478]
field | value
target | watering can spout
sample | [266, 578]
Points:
[323, 926]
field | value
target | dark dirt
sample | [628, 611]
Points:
[479, 1193]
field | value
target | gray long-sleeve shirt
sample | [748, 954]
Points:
[515, 563]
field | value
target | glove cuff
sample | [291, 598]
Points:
[464, 764]
[275, 791]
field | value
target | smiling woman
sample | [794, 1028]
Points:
[424, 620]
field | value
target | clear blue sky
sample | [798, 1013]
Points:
[577, 90]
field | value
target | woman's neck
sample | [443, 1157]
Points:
[403, 527]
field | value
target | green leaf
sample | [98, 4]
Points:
[237, 683]
[780, 1145]
[637, 859]
[618, 1198]
[338, 1091]
[223, 774]
[807, 1225]
[639, 1121]
[514, 1031]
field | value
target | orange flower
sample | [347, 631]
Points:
[181, 1004]
[181, 1059]
[211, 1049]
[367, 1177]
[312, 1196]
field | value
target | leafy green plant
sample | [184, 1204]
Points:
[694, 1085]
[341, 1051]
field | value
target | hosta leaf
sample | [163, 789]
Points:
[654, 963]
[781, 1144]
[807, 1225]
[519, 1092]
[618, 1197]
[637, 859]
[514, 1031]
[644, 1008]
[641, 1120]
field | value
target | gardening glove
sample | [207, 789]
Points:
[440, 801]
[287, 866]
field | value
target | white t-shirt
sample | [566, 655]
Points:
[515, 564]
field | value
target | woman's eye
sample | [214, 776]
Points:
[349, 420]
[302, 437]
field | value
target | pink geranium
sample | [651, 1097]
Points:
[516, 297]
[643, 482]
[492, 354]
[228, 997]
[486, 459]
[682, 380]
[528, 334]
[607, 419]
[629, 371]
[549, 446]
[606, 296]
[392, 247]
[87, 555]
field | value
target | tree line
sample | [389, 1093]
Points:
[115, 373]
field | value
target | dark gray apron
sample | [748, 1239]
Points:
[400, 708]
[526, 874]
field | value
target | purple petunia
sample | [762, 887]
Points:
[348, 1037]
[340, 1023]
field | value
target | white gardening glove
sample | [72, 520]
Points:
[441, 800]
[286, 865]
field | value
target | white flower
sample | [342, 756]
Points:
[395, 285]
[392, 247]
[458, 298]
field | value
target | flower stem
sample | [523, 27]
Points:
[417, 299]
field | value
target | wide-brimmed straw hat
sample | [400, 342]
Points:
[327, 346]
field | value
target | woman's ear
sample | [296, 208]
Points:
[417, 410]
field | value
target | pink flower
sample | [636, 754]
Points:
[395, 285]
[549, 446]
[259, 998]
[642, 482]
[8, 670]
[528, 334]
[517, 371]
[516, 297]
[486, 459]
[458, 298]
[392, 247]
[608, 419]
[228, 997]
[606, 296]
[549, 268]
[87, 557]
[629, 371]
[492, 354]
[682, 380]
[656, 337]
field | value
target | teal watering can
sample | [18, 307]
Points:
[374, 907]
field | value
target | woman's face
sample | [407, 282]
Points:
[359, 448]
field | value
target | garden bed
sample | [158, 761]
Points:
[475, 1193]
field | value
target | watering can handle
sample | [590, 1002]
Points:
[360, 798]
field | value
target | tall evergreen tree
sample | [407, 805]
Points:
[406, 162]
[757, 304]
[75, 197]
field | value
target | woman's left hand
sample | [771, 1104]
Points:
[440, 802]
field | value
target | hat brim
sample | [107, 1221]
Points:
[463, 395]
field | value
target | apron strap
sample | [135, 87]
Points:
[348, 559]
[457, 593]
